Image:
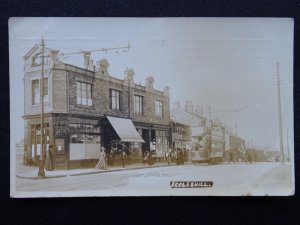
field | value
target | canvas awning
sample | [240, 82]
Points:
[125, 129]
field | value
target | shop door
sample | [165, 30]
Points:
[146, 137]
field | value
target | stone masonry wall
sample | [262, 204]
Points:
[100, 98]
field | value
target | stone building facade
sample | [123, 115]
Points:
[80, 104]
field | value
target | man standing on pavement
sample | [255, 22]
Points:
[49, 159]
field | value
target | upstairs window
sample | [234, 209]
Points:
[36, 91]
[158, 108]
[138, 104]
[114, 99]
[36, 59]
[84, 93]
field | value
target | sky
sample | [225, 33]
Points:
[227, 64]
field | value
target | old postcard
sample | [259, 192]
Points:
[151, 107]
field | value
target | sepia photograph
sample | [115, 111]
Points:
[151, 107]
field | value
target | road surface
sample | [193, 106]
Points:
[228, 179]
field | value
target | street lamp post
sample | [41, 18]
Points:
[41, 172]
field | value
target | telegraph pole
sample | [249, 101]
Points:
[280, 116]
[288, 149]
[235, 124]
[209, 116]
[41, 172]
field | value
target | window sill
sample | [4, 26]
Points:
[138, 114]
[39, 105]
[84, 106]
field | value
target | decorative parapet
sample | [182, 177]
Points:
[166, 91]
[149, 83]
[129, 74]
[102, 66]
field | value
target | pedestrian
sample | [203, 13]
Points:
[248, 158]
[185, 158]
[49, 158]
[230, 156]
[123, 158]
[179, 157]
[102, 161]
[169, 156]
[150, 159]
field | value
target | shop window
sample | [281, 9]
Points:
[85, 138]
[60, 129]
[84, 93]
[162, 137]
[84, 133]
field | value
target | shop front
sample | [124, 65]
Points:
[33, 139]
[84, 141]
[122, 140]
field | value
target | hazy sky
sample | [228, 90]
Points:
[224, 63]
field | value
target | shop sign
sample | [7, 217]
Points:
[176, 136]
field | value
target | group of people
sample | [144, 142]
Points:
[247, 157]
[179, 155]
[102, 163]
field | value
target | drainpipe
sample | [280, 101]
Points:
[68, 92]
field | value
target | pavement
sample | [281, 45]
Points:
[31, 172]
[276, 182]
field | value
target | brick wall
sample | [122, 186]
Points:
[59, 91]
[100, 97]
[63, 97]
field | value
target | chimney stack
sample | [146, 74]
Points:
[102, 66]
[176, 105]
[129, 73]
[167, 91]
[86, 57]
[189, 106]
[149, 82]
[54, 56]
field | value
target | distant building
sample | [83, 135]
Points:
[189, 106]
[87, 107]
[187, 129]
[234, 146]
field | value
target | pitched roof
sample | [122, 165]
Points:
[32, 50]
[183, 117]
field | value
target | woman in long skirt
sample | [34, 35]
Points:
[102, 162]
